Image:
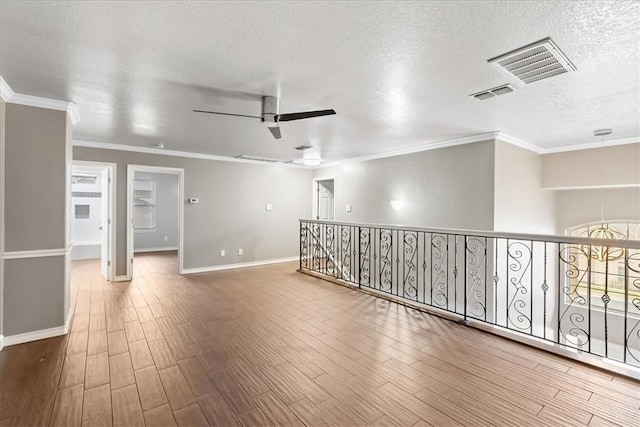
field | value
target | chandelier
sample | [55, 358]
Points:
[604, 231]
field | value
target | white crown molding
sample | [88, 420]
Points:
[590, 145]
[175, 153]
[39, 253]
[39, 335]
[415, 149]
[501, 136]
[238, 265]
[5, 91]
[9, 96]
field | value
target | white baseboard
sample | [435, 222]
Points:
[1, 342]
[124, 278]
[171, 248]
[39, 335]
[237, 265]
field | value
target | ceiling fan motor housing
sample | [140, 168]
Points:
[269, 110]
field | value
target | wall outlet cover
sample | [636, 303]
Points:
[240, 252]
[348, 208]
[268, 207]
[222, 252]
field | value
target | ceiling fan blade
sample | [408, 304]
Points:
[275, 131]
[304, 115]
[226, 114]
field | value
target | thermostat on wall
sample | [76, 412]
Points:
[193, 200]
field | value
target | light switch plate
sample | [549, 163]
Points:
[268, 207]
[348, 208]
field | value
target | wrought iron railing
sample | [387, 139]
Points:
[558, 290]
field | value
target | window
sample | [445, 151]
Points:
[144, 205]
[82, 211]
[603, 275]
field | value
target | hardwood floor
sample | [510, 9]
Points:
[269, 346]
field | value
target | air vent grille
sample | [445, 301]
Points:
[258, 159]
[303, 147]
[532, 63]
[496, 91]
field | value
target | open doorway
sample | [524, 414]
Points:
[324, 208]
[155, 210]
[93, 214]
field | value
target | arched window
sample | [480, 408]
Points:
[605, 273]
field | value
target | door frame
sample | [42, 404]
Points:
[111, 200]
[131, 170]
[314, 195]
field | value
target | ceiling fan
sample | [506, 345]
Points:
[271, 118]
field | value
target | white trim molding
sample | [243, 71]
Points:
[11, 97]
[238, 265]
[1, 342]
[38, 253]
[39, 335]
[124, 278]
[169, 248]
[176, 153]
[589, 145]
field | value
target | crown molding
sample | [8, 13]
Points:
[11, 97]
[590, 145]
[501, 136]
[176, 153]
[5, 90]
[415, 149]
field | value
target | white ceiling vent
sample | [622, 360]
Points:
[496, 91]
[537, 61]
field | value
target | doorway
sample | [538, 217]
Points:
[155, 197]
[93, 214]
[324, 208]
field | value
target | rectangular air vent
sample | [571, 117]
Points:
[258, 159]
[303, 147]
[532, 63]
[496, 91]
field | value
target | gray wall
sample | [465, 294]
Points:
[167, 200]
[449, 187]
[575, 207]
[230, 213]
[36, 290]
[617, 165]
[35, 148]
[521, 205]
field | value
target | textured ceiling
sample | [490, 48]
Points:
[398, 74]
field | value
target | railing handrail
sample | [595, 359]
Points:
[617, 243]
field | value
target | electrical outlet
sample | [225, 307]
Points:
[240, 252]
[166, 238]
[348, 209]
[268, 207]
[222, 252]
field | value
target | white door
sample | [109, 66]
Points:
[325, 201]
[105, 224]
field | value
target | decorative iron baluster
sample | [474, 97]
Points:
[365, 244]
[571, 325]
[519, 262]
[386, 261]
[476, 293]
[632, 339]
[345, 252]
[439, 255]
[410, 245]
[496, 280]
[303, 245]
[315, 254]
[545, 289]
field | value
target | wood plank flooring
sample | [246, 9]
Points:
[269, 346]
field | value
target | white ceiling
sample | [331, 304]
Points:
[398, 74]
